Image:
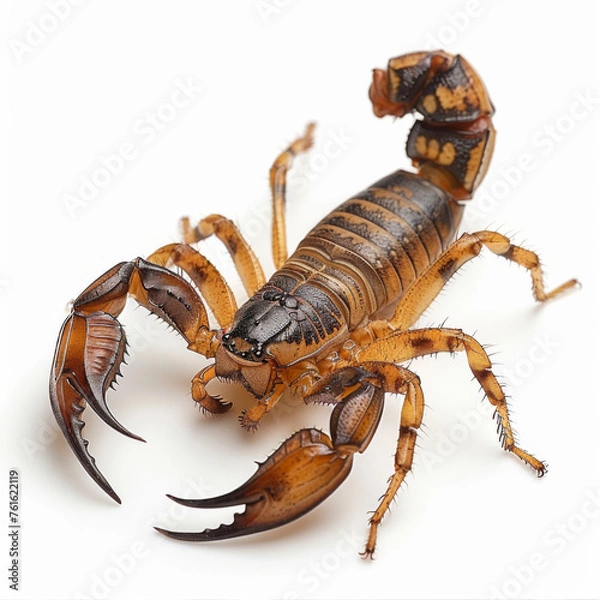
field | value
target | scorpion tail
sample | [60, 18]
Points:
[452, 145]
[298, 476]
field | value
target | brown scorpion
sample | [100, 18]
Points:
[333, 324]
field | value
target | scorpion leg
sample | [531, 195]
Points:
[422, 292]
[401, 346]
[92, 345]
[299, 378]
[250, 419]
[277, 178]
[308, 467]
[397, 380]
[208, 403]
[243, 256]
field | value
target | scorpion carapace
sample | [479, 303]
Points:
[333, 323]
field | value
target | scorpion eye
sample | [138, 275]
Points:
[226, 337]
[290, 302]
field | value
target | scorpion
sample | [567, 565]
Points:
[333, 324]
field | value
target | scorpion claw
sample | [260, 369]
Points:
[89, 353]
[72, 430]
[297, 477]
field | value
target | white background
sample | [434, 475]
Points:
[472, 520]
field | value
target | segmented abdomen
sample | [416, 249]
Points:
[366, 253]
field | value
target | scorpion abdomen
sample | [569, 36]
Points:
[367, 252]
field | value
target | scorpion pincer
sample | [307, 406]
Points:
[333, 323]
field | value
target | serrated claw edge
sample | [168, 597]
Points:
[297, 477]
[88, 356]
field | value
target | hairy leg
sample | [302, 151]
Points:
[246, 263]
[423, 291]
[400, 346]
[277, 180]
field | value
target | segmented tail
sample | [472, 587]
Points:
[453, 143]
